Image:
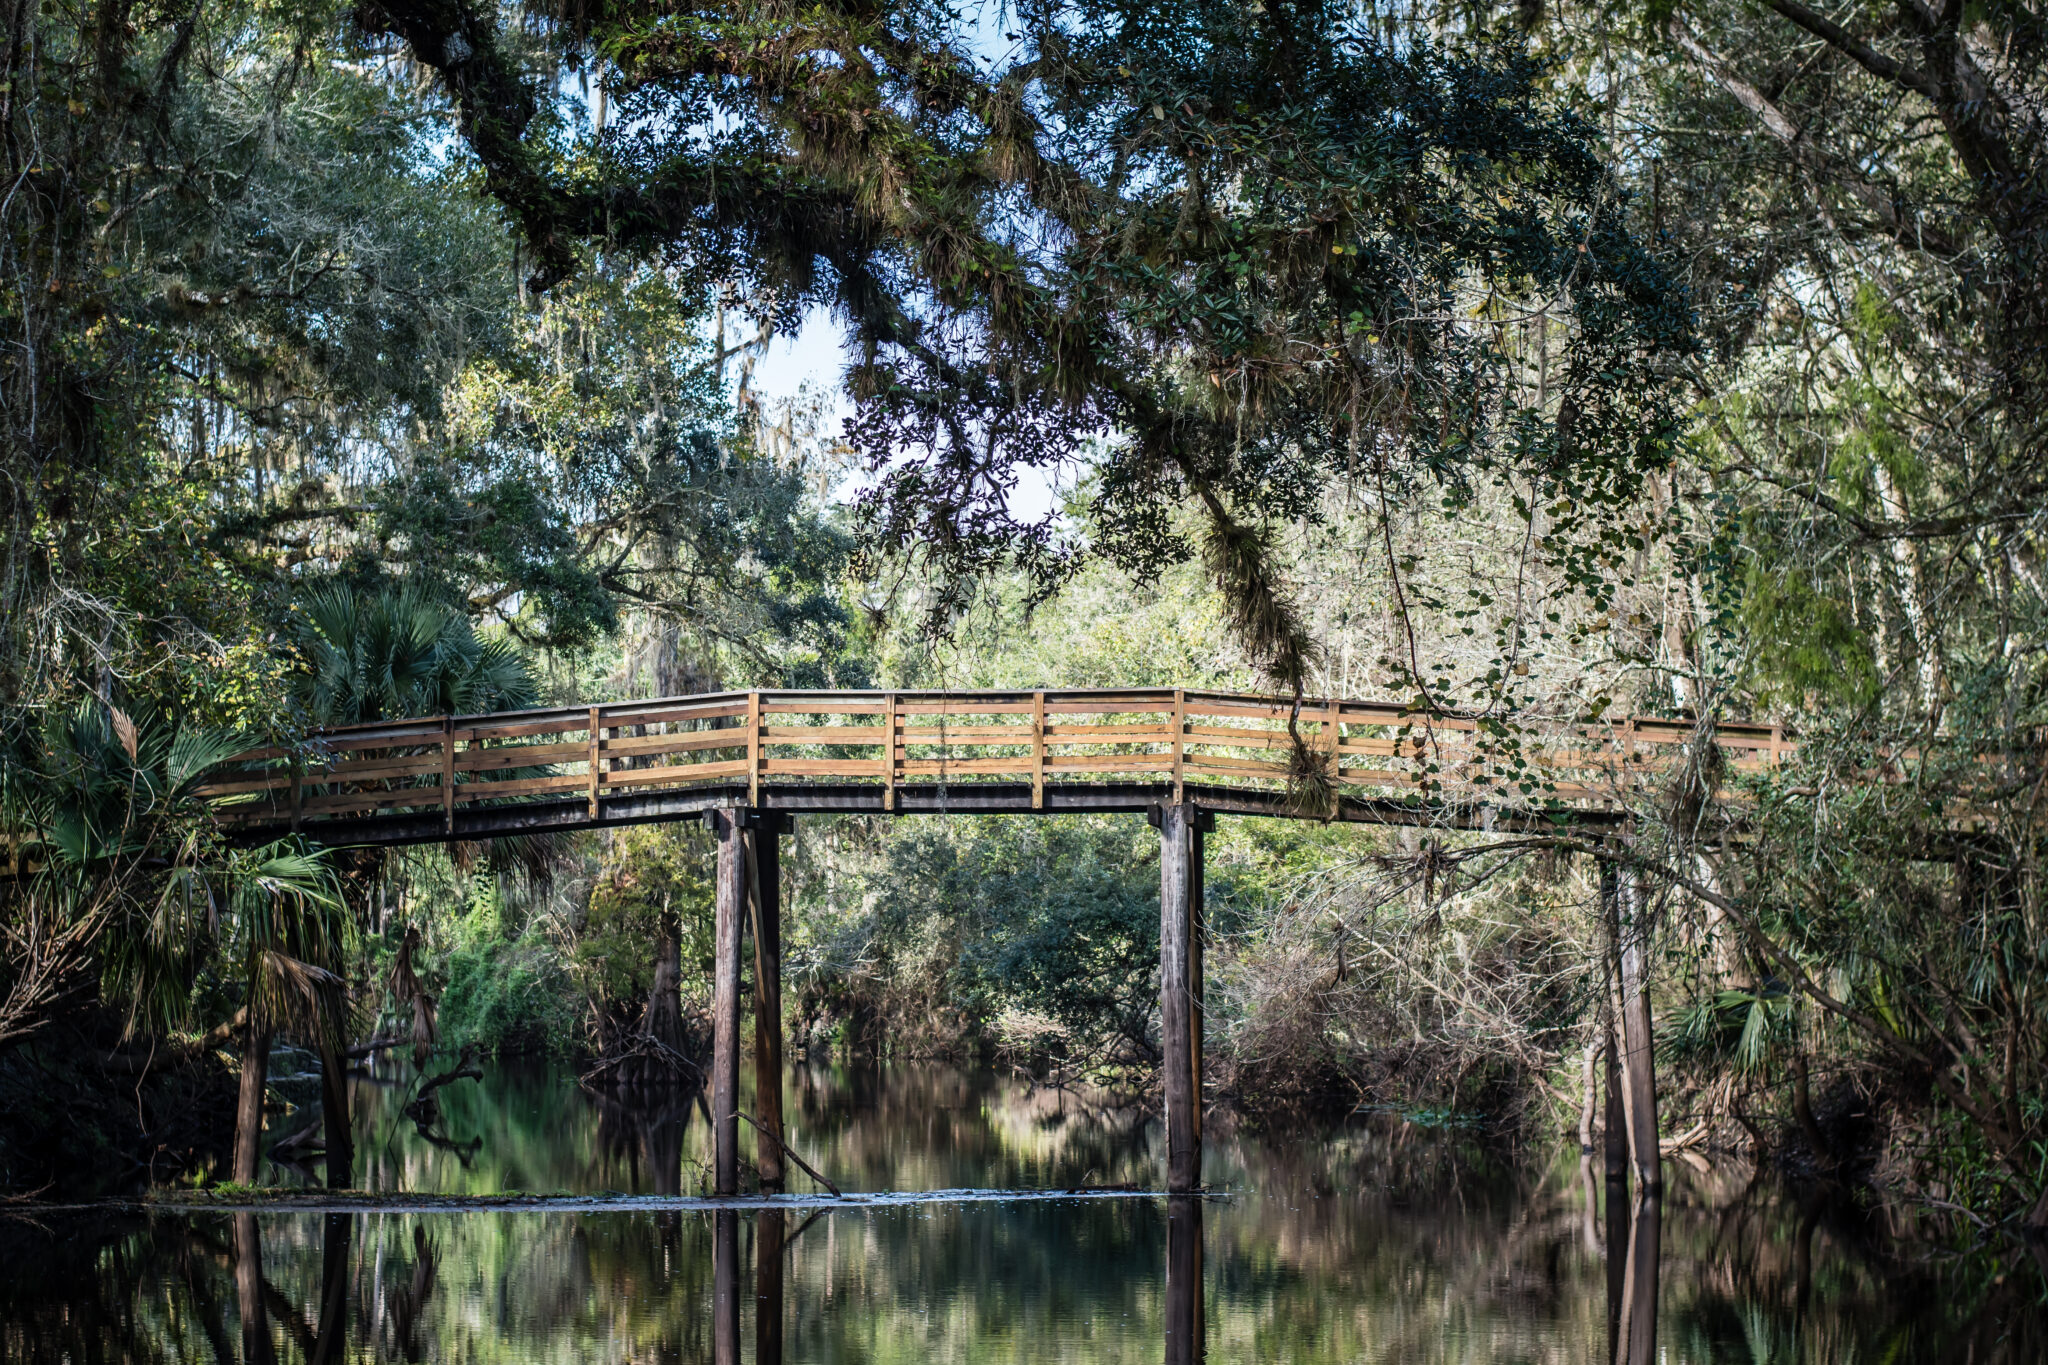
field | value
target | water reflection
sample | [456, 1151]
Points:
[1376, 1243]
[1186, 1328]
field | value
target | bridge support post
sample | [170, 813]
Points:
[731, 902]
[765, 903]
[1180, 890]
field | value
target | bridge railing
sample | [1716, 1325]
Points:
[1041, 737]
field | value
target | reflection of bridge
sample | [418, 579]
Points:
[746, 761]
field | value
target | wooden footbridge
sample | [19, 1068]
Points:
[745, 762]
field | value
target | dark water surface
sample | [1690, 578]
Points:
[1379, 1241]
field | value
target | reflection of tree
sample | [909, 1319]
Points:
[407, 1303]
[1377, 1243]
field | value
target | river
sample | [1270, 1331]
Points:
[1377, 1240]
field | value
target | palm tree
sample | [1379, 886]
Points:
[91, 803]
[393, 652]
[289, 935]
[105, 810]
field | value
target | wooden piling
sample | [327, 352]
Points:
[765, 902]
[1177, 889]
[1202, 823]
[725, 1000]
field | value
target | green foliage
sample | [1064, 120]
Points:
[1056, 917]
[507, 996]
[654, 876]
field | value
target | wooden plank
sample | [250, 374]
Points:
[964, 767]
[475, 793]
[823, 767]
[635, 745]
[967, 734]
[475, 760]
[1217, 765]
[1160, 733]
[864, 708]
[1162, 707]
[1377, 777]
[1238, 737]
[422, 797]
[825, 734]
[1110, 763]
[278, 782]
[1242, 710]
[675, 774]
[594, 772]
[377, 770]
[630, 714]
[962, 708]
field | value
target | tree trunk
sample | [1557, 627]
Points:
[249, 1103]
[335, 1116]
[1802, 1108]
[1638, 1062]
[664, 1021]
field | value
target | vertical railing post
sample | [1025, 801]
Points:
[448, 775]
[594, 732]
[298, 793]
[1176, 890]
[1335, 725]
[753, 748]
[730, 903]
[891, 754]
[1180, 736]
[1038, 751]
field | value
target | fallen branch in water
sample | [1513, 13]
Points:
[375, 1045]
[790, 1152]
[303, 1135]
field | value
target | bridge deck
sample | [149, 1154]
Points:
[480, 777]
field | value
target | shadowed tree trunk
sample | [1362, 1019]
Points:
[665, 998]
[249, 1103]
[334, 1115]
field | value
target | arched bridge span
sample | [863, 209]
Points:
[746, 762]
